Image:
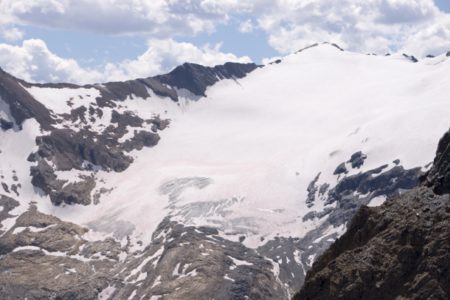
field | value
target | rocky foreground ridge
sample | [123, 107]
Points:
[400, 250]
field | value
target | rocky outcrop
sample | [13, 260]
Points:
[43, 257]
[196, 78]
[21, 104]
[411, 58]
[186, 262]
[438, 178]
[88, 150]
[400, 250]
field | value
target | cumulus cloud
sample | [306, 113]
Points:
[366, 26]
[11, 33]
[156, 17]
[163, 55]
[33, 61]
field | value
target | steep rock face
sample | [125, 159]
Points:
[21, 104]
[439, 176]
[400, 250]
[196, 78]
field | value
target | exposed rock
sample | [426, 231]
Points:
[373, 181]
[126, 119]
[410, 57]
[69, 150]
[400, 250]
[6, 125]
[312, 189]
[139, 140]
[194, 263]
[43, 177]
[438, 178]
[7, 204]
[45, 258]
[21, 104]
[74, 192]
[337, 46]
[341, 169]
[357, 159]
[306, 48]
[196, 78]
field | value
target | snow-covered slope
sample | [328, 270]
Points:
[278, 160]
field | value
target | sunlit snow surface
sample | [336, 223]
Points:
[242, 158]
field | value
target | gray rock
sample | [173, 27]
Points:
[357, 159]
[341, 169]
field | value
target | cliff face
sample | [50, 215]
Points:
[400, 250]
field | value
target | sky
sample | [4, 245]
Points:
[87, 41]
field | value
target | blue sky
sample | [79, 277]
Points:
[87, 41]
[443, 4]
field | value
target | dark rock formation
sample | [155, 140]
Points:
[312, 189]
[341, 169]
[69, 149]
[400, 250]
[196, 78]
[21, 104]
[6, 125]
[438, 178]
[6, 204]
[357, 159]
[410, 57]
[61, 191]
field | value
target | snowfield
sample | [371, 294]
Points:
[242, 158]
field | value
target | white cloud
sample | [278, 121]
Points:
[33, 61]
[365, 26]
[163, 55]
[246, 27]
[11, 34]
[156, 17]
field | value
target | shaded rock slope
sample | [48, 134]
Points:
[400, 250]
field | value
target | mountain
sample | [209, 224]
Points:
[223, 182]
[400, 250]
